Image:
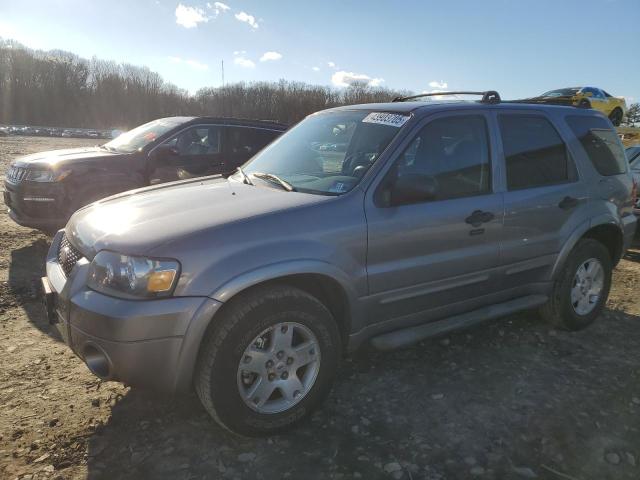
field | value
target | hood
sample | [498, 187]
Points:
[55, 157]
[138, 221]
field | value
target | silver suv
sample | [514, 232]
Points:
[385, 223]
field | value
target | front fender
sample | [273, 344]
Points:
[283, 269]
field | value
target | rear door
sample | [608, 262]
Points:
[242, 143]
[442, 252]
[598, 99]
[543, 199]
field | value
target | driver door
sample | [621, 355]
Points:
[442, 252]
[193, 152]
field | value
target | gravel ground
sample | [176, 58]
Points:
[513, 399]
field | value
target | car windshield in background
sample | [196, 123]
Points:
[562, 92]
[141, 136]
[327, 153]
[633, 154]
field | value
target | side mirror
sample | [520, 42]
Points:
[413, 188]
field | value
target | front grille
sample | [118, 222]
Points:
[68, 255]
[16, 174]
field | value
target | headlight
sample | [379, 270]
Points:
[46, 175]
[132, 277]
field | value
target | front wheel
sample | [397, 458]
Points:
[268, 361]
[581, 290]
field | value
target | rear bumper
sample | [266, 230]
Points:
[36, 205]
[143, 343]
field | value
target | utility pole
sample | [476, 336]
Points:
[223, 91]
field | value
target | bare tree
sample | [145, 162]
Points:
[59, 88]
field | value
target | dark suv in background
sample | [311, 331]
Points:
[43, 190]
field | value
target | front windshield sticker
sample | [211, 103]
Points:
[390, 119]
[338, 187]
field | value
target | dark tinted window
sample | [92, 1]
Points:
[248, 141]
[200, 140]
[600, 142]
[535, 155]
[633, 155]
[455, 152]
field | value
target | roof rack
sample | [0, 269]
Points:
[490, 96]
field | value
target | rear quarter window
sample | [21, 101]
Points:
[600, 142]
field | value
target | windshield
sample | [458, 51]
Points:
[141, 136]
[562, 92]
[633, 154]
[327, 153]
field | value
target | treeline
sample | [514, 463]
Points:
[58, 88]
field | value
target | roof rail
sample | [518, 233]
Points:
[490, 96]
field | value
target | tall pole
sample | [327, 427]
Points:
[223, 91]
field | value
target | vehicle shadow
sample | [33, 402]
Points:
[506, 394]
[26, 267]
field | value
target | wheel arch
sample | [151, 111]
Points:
[605, 230]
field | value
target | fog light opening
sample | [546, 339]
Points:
[97, 362]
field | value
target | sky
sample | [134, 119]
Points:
[519, 47]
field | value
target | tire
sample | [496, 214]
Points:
[220, 377]
[560, 310]
[616, 117]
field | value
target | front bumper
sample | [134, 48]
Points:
[143, 343]
[36, 205]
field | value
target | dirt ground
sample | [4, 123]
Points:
[512, 399]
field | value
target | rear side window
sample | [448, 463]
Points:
[249, 141]
[535, 155]
[600, 142]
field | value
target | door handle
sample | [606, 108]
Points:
[479, 217]
[567, 203]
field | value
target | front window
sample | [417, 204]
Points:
[328, 153]
[141, 136]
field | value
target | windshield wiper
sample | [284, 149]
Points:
[110, 149]
[245, 178]
[275, 179]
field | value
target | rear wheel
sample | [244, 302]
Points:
[268, 361]
[616, 117]
[581, 290]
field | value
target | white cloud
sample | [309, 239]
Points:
[219, 7]
[189, 17]
[315, 69]
[439, 85]
[191, 63]
[244, 62]
[344, 79]
[331, 64]
[7, 31]
[239, 52]
[270, 56]
[246, 18]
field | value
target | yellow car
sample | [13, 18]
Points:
[588, 97]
